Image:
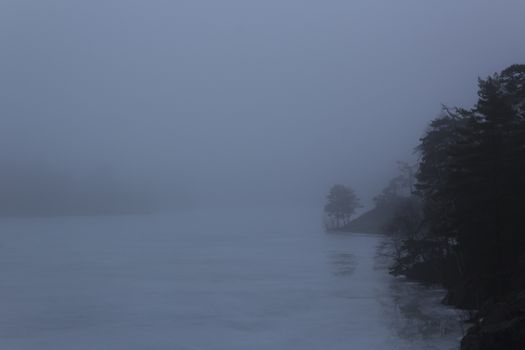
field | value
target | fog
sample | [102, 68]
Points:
[164, 165]
[228, 102]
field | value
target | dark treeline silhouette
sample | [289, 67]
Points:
[463, 224]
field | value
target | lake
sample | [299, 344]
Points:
[212, 279]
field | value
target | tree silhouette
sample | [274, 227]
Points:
[470, 179]
[342, 203]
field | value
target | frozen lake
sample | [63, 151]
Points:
[228, 279]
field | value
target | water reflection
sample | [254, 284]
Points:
[411, 314]
[415, 312]
[168, 282]
[344, 263]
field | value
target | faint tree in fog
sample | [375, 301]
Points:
[399, 187]
[342, 203]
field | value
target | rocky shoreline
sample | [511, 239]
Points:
[499, 325]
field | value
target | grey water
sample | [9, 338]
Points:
[216, 279]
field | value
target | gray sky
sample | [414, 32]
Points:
[273, 99]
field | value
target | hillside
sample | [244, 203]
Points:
[371, 221]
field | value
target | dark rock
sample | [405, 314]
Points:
[500, 326]
[463, 296]
[497, 314]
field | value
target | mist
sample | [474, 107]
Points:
[278, 174]
[237, 102]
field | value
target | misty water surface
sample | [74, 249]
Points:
[228, 279]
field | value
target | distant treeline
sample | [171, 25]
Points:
[42, 190]
[463, 225]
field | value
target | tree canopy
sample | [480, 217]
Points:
[471, 185]
[341, 205]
